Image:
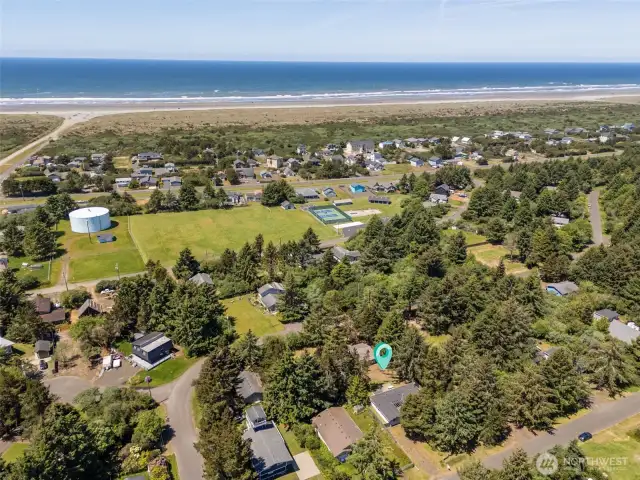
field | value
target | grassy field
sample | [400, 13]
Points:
[17, 131]
[490, 255]
[166, 372]
[616, 443]
[249, 317]
[14, 452]
[470, 237]
[89, 259]
[209, 232]
[290, 440]
[41, 274]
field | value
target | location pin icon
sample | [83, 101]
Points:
[382, 354]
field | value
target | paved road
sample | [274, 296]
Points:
[594, 216]
[60, 286]
[600, 418]
[190, 463]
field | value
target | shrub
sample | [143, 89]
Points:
[306, 436]
[28, 282]
[74, 298]
[106, 284]
[635, 434]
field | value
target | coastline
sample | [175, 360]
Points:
[100, 108]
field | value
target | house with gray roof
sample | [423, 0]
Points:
[337, 430]
[559, 221]
[438, 198]
[359, 146]
[340, 253]
[387, 404]
[6, 346]
[622, 332]
[249, 387]
[307, 193]
[245, 172]
[606, 313]
[562, 289]
[256, 418]
[89, 308]
[268, 295]
[270, 456]
[201, 278]
[151, 350]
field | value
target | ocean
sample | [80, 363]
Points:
[34, 81]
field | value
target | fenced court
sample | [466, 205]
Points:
[329, 214]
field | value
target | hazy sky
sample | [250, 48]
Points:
[339, 30]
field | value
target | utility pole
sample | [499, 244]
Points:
[89, 231]
[118, 270]
[64, 276]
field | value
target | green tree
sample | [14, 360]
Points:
[188, 197]
[248, 351]
[148, 430]
[474, 470]
[555, 268]
[292, 305]
[27, 326]
[609, 368]
[456, 427]
[369, 459]
[418, 416]
[277, 192]
[570, 392]
[12, 238]
[310, 241]
[186, 266]
[39, 241]
[392, 329]
[495, 231]
[10, 298]
[358, 391]
[217, 383]
[531, 400]
[457, 248]
[156, 202]
[516, 467]
[270, 261]
[59, 206]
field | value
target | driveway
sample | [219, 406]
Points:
[602, 417]
[594, 217]
[66, 388]
[306, 466]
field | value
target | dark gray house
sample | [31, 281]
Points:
[256, 418]
[249, 387]
[387, 404]
[270, 456]
[151, 350]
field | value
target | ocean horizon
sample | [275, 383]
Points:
[47, 81]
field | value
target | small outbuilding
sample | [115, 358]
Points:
[249, 387]
[357, 188]
[380, 200]
[105, 238]
[89, 309]
[42, 349]
[363, 351]
[201, 279]
[287, 205]
[339, 253]
[606, 313]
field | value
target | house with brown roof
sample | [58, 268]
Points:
[337, 430]
[48, 312]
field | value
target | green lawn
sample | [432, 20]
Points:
[616, 443]
[249, 317]
[14, 452]
[125, 347]
[490, 255]
[24, 349]
[166, 372]
[41, 274]
[173, 466]
[89, 259]
[209, 232]
[471, 237]
[290, 440]
[366, 422]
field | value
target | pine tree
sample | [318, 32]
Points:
[310, 240]
[555, 268]
[369, 459]
[327, 262]
[610, 369]
[474, 470]
[500, 271]
[188, 197]
[358, 391]
[258, 245]
[418, 415]
[531, 400]
[338, 365]
[248, 351]
[186, 266]
[246, 268]
[391, 329]
[456, 427]
[159, 301]
[516, 467]
[156, 202]
[12, 238]
[457, 248]
[59, 206]
[217, 383]
[271, 261]
[570, 392]
[171, 203]
[39, 241]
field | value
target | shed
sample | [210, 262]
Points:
[55, 316]
[345, 201]
[151, 350]
[416, 162]
[6, 345]
[105, 238]
[443, 189]
[249, 387]
[387, 404]
[337, 430]
[270, 456]
[287, 205]
[559, 221]
[380, 200]
[307, 193]
[89, 308]
[562, 289]
[42, 349]
[364, 352]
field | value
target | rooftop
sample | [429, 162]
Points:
[337, 429]
[151, 341]
[388, 403]
[565, 288]
[201, 278]
[249, 384]
[268, 448]
[255, 414]
[623, 332]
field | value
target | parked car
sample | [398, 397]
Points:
[43, 365]
[584, 436]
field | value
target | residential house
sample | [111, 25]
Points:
[43, 349]
[144, 171]
[245, 173]
[329, 192]
[455, 139]
[340, 252]
[265, 175]
[373, 166]
[98, 157]
[435, 162]
[337, 430]
[375, 157]
[544, 354]
[387, 404]
[249, 387]
[254, 196]
[252, 163]
[398, 143]
[434, 141]
[274, 161]
[566, 141]
[6, 346]
[256, 418]
[476, 156]
[384, 187]
[552, 143]
[123, 182]
[363, 351]
[606, 313]
[515, 195]
[379, 200]
[604, 128]
[416, 162]
[357, 188]
[151, 349]
[412, 140]
[302, 149]
[307, 193]
[171, 182]
[148, 181]
[342, 202]
[268, 295]
[48, 312]
[562, 289]
[149, 156]
[238, 164]
[287, 205]
[574, 130]
[465, 141]
[89, 309]
[385, 144]
[438, 198]
[559, 221]
[234, 198]
[54, 177]
[607, 137]
[359, 146]
[293, 163]
[201, 279]
[287, 172]
[443, 189]
[629, 127]
[497, 134]
[171, 167]
[349, 229]
[623, 332]
[270, 456]
[258, 152]
[551, 131]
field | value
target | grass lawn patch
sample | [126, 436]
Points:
[122, 163]
[414, 474]
[42, 274]
[250, 317]
[124, 347]
[616, 442]
[14, 452]
[290, 439]
[173, 466]
[490, 255]
[166, 372]
[366, 422]
[209, 232]
[25, 350]
[89, 259]
[470, 237]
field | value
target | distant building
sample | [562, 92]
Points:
[562, 289]
[438, 198]
[559, 221]
[274, 161]
[622, 332]
[329, 192]
[363, 351]
[359, 146]
[268, 295]
[443, 189]
[151, 350]
[349, 229]
[201, 278]
[42, 349]
[287, 205]
[256, 418]
[307, 193]
[380, 200]
[387, 404]
[416, 162]
[89, 309]
[6, 346]
[149, 156]
[610, 315]
[357, 188]
[301, 150]
[340, 253]
[337, 430]
[48, 312]
[435, 162]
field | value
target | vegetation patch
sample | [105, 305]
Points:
[14, 452]
[17, 131]
[166, 372]
[251, 317]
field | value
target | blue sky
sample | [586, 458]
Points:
[324, 30]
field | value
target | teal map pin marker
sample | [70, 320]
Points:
[382, 353]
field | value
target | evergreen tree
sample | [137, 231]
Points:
[188, 197]
[456, 427]
[258, 245]
[500, 271]
[358, 391]
[338, 366]
[373, 230]
[217, 383]
[376, 258]
[12, 238]
[186, 266]
[570, 392]
[369, 459]
[59, 206]
[40, 214]
[392, 329]
[292, 305]
[531, 401]
[246, 268]
[409, 355]
[39, 241]
[248, 351]
[156, 202]
[495, 231]
[431, 264]
[474, 470]
[171, 203]
[10, 298]
[342, 274]
[555, 268]
[159, 301]
[327, 262]
[516, 467]
[271, 261]
[609, 368]
[310, 241]
[418, 416]
[457, 248]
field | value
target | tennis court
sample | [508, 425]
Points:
[329, 214]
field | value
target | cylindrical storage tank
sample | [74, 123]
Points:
[93, 219]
